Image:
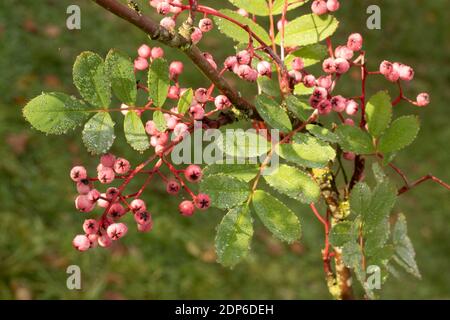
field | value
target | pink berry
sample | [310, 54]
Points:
[117, 231]
[386, 67]
[196, 35]
[171, 121]
[144, 51]
[264, 68]
[245, 72]
[172, 187]
[281, 24]
[319, 7]
[138, 206]
[201, 95]
[175, 9]
[168, 23]
[197, 112]
[102, 202]
[111, 193]
[143, 217]
[342, 65]
[324, 107]
[106, 175]
[295, 76]
[108, 160]
[175, 69]
[186, 208]
[329, 65]
[230, 62]
[325, 82]
[83, 186]
[78, 173]
[309, 81]
[349, 122]
[174, 93]
[243, 12]
[163, 8]
[150, 128]
[145, 227]
[314, 101]
[423, 99]
[243, 57]
[205, 25]
[221, 102]
[320, 93]
[104, 241]
[343, 52]
[83, 204]
[81, 242]
[333, 5]
[122, 166]
[93, 195]
[355, 42]
[93, 239]
[352, 107]
[338, 103]
[193, 173]
[350, 156]
[393, 76]
[140, 64]
[406, 72]
[180, 130]
[202, 201]
[90, 226]
[298, 64]
[157, 53]
[116, 211]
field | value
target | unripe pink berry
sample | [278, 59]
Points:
[171, 121]
[116, 211]
[338, 103]
[108, 160]
[246, 72]
[138, 206]
[174, 93]
[320, 93]
[406, 72]
[281, 24]
[243, 57]
[117, 231]
[349, 122]
[319, 7]
[175, 69]
[343, 52]
[352, 107]
[83, 204]
[309, 81]
[154, 3]
[386, 67]
[90, 226]
[93, 195]
[196, 35]
[202, 201]
[144, 51]
[342, 65]
[314, 102]
[201, 95]
[230, 62]
[160, 139]
[172, 187]
[174, 9]
[252, 76]
[333, 5]
[106, 175]
[197, 112]
[193, 173]
[221, 102]
[186, 208]
[157, 53]
[81, 242]
[93, 239]
[295, 76]
[140, 64]
[350, 156]
[104, 241]
[83, 186]
[393, 76]
[242, 12]
[163, 8]
[122, 166]
[145, 227]
[324, 107]
[329, 65]
[150, 128]
[111, 193]
[423, 99]
[101, 202]
[355, 42]
[143, 217]
[78, 173]
[205, 25]
[298, 64]
[264, 68]
[180, 130]
[168, 23]
[325, 82]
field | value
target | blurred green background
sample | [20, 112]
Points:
[176, 260]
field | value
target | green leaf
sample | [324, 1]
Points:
[405, 255]
[299, 107]
[225, 191]
[307, 151]
[378, 172]
[400, 134]
[354, 139]
[301, 90]
[234, 235]
[243, 144]
[278, 5]
[185, 101]
[123, 80]
[310, 55]
[343, 232]
[135, 132]
[158, 82]
[160, 121]
[91, 79]
[269, 86]
[278, 218]
[55, 113]
[352, 257]
[273, 113]
[258, 7]
[376, 236]
[322, 133]
[360, 198]
[237, 33]
[294, 183]
[244, 172]
[308, 29]
[98, 134]
[383, 199]
[379, 113]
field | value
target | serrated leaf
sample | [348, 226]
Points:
[322, 133]
[382, 201]
[237, 33]
[158, 82]
[91, 79]
[301, 90]
[160, 121]
[135, 132]
[244, 172]
[225, 191]
[405, 255]
[360, 198]
[308, 29]
[299, 107]
[352, 257]
[278, 5]
[269, 86]
[98, 133]
[343, 232]
[55, 113]
[185, 101]
[400, 134]
[243, 144]
[307, 151]
[355, 140]
[294, 183]
[123, 80]
[376, 236]
[378, 113]
[273, 113]
[310, 55]
[278, 218]
[234, 235]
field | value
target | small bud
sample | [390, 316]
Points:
[196, 36]
[168, 23]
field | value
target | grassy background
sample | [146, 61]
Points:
[176, 260]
